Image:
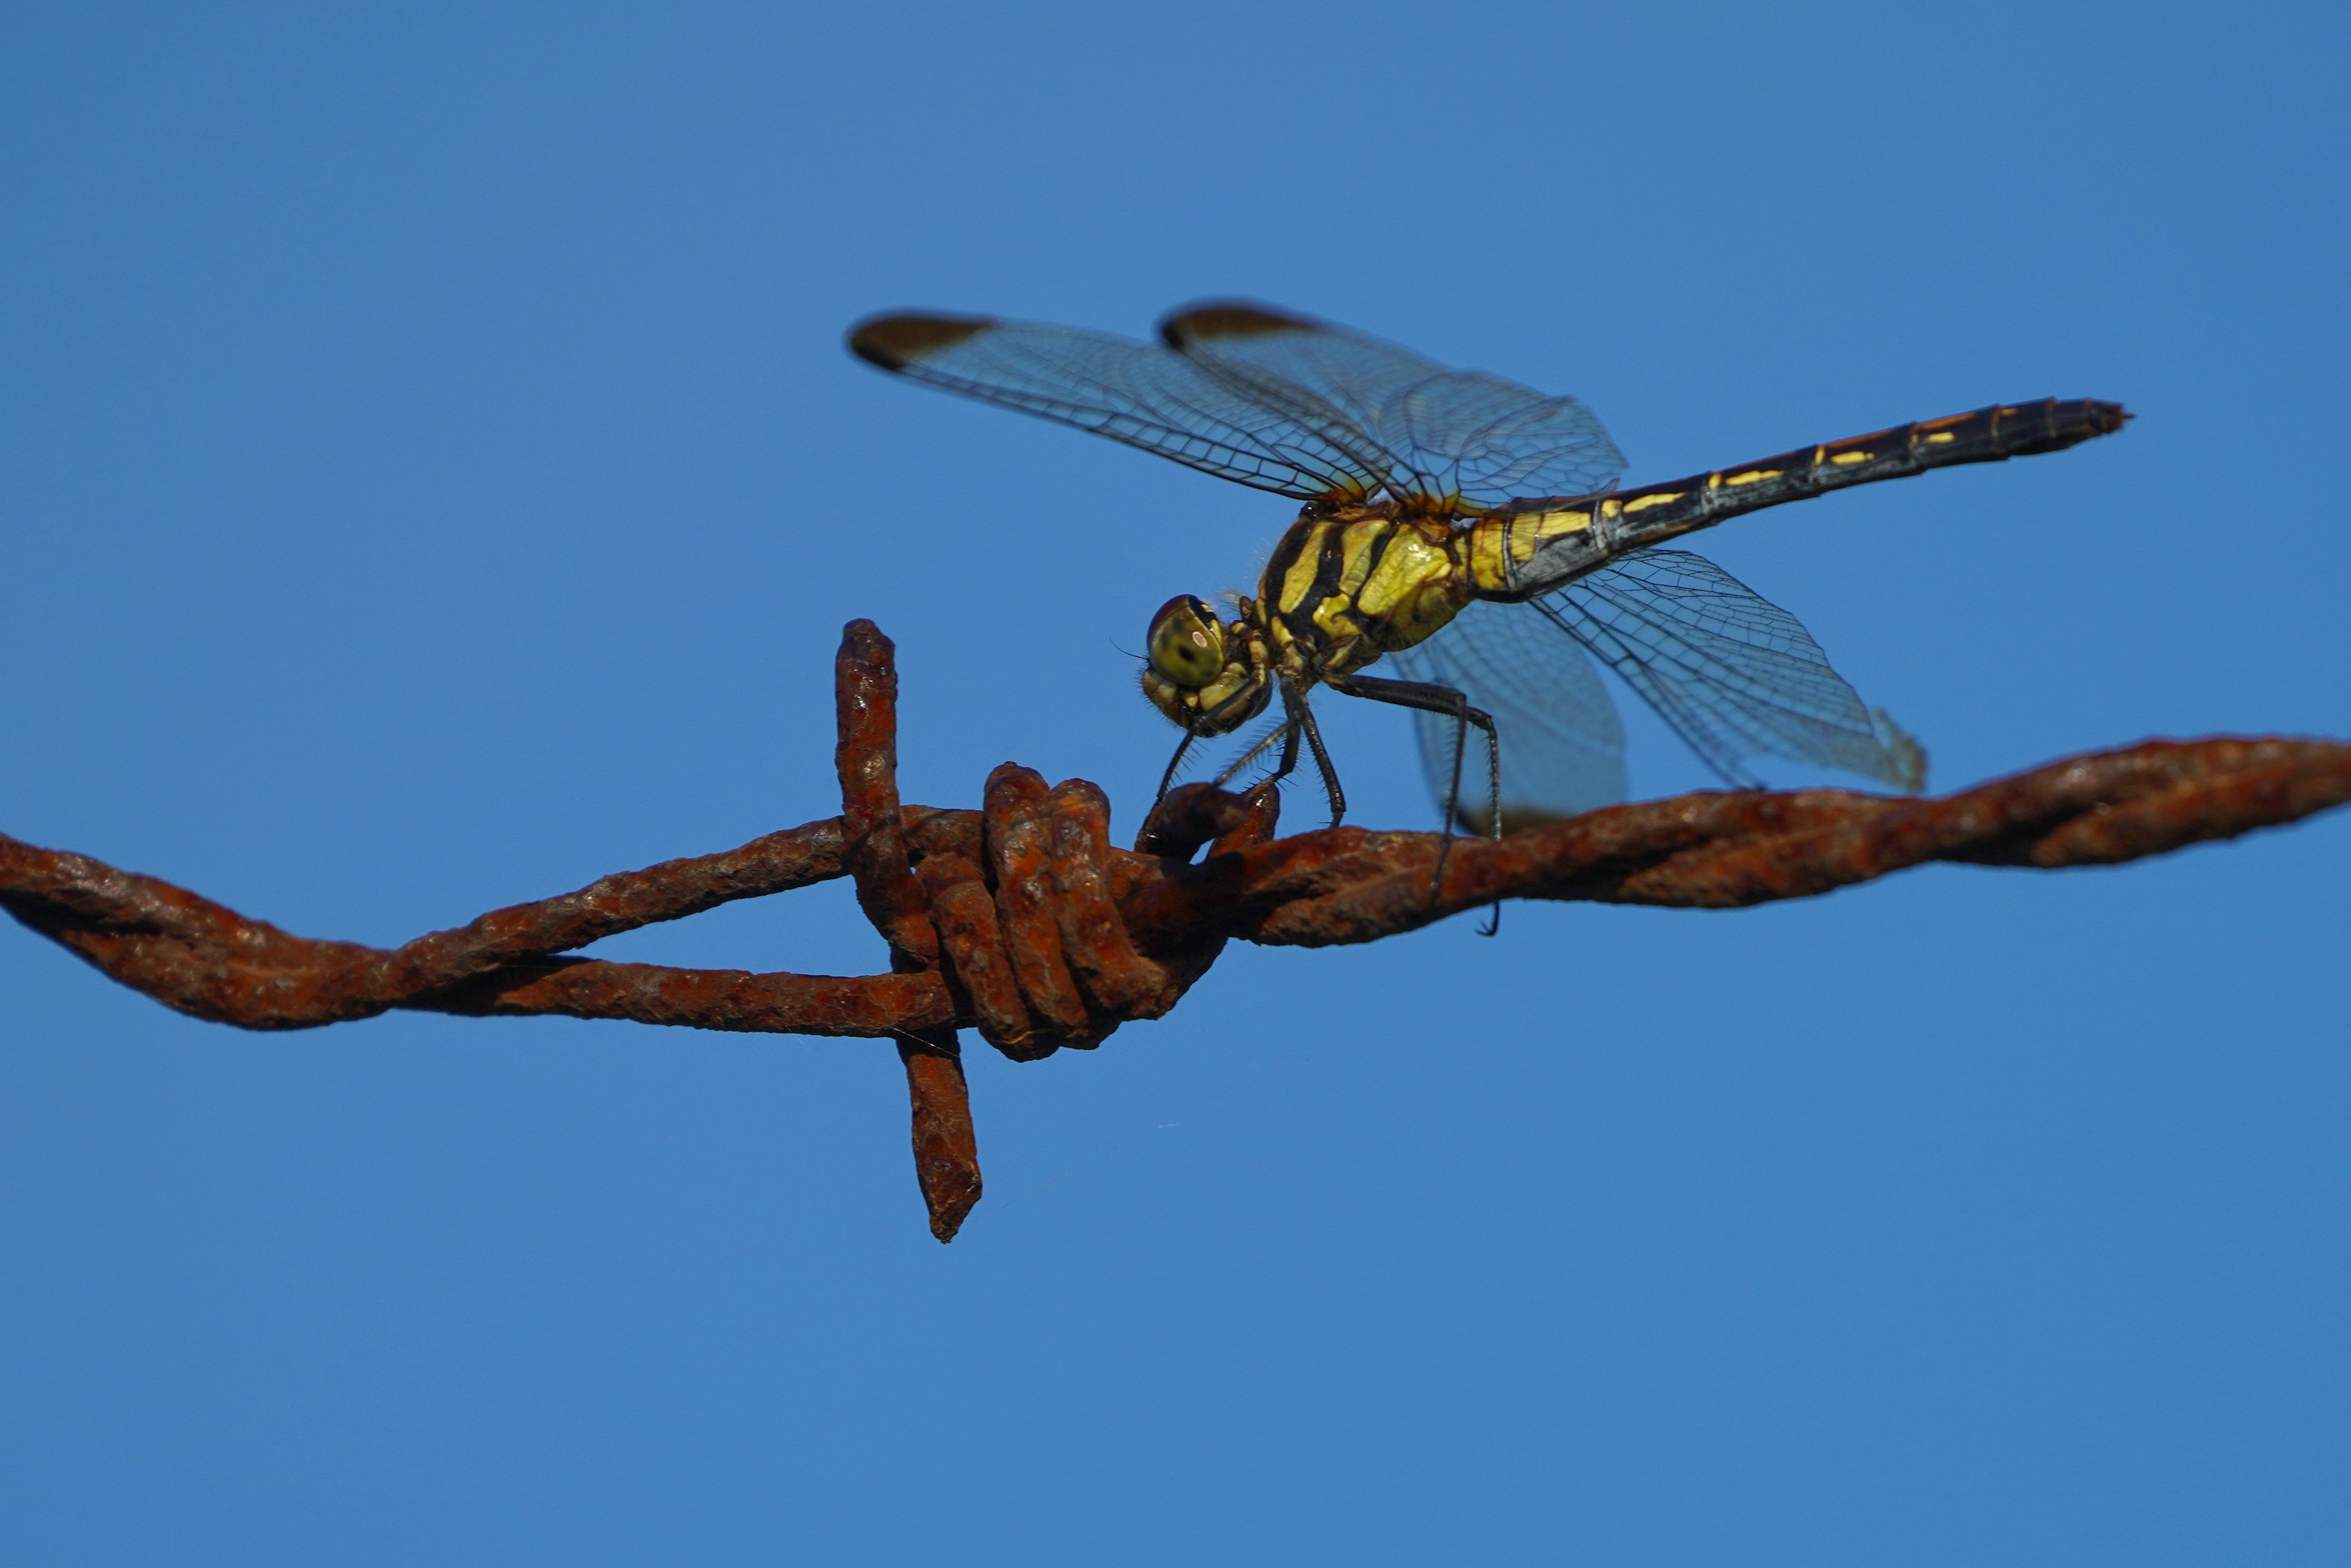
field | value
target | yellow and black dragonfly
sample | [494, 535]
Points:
[1467, 530]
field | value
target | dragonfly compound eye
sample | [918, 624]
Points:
[1187, 646]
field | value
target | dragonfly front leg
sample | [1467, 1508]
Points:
[1299, 719]
[1175, 762]
[1217, 720]
[1287, 736]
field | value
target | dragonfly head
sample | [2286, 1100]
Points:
[1207, 678]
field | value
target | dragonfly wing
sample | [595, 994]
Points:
[1733, 673]
[1140, 394]
[1562, 745]
[1445, 433]
[1492, 441]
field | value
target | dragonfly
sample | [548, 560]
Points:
[1469, 530]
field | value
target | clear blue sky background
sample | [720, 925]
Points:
[430, 477]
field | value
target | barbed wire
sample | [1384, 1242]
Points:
[1021, 921]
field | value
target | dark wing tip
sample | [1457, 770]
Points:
[896, 340]
[1212, 319]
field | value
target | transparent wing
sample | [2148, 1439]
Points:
[1562, 744]
[1140, 394]
[1445, 433]
[1735, 675]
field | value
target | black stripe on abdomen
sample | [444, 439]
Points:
[1628, 520]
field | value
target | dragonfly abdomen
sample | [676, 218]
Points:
[1532, 547]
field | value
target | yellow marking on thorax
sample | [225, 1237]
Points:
[1356, 545]
[1486, 548]
[1277, 633]
[1335, 618]
[1334, 615]
[1414, 560]
[1416, 588]
[1299, 581]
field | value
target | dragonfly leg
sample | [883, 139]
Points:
[1430, 698]
[1302, 717]
[1210, 722]
[1300, 720]
[1175, 762]
[1287, 736]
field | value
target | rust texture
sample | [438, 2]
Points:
[865, 700]
[947, 1149]
[1021, 921]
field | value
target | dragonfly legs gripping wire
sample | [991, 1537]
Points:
[1299, 719]
[1210, 722]
[1425, 695]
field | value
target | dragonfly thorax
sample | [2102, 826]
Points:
[1345, 588]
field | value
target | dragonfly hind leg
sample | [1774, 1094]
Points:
[1428, 696]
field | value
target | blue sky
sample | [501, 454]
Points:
[429, 479]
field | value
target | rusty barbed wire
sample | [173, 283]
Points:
[1021, 921]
